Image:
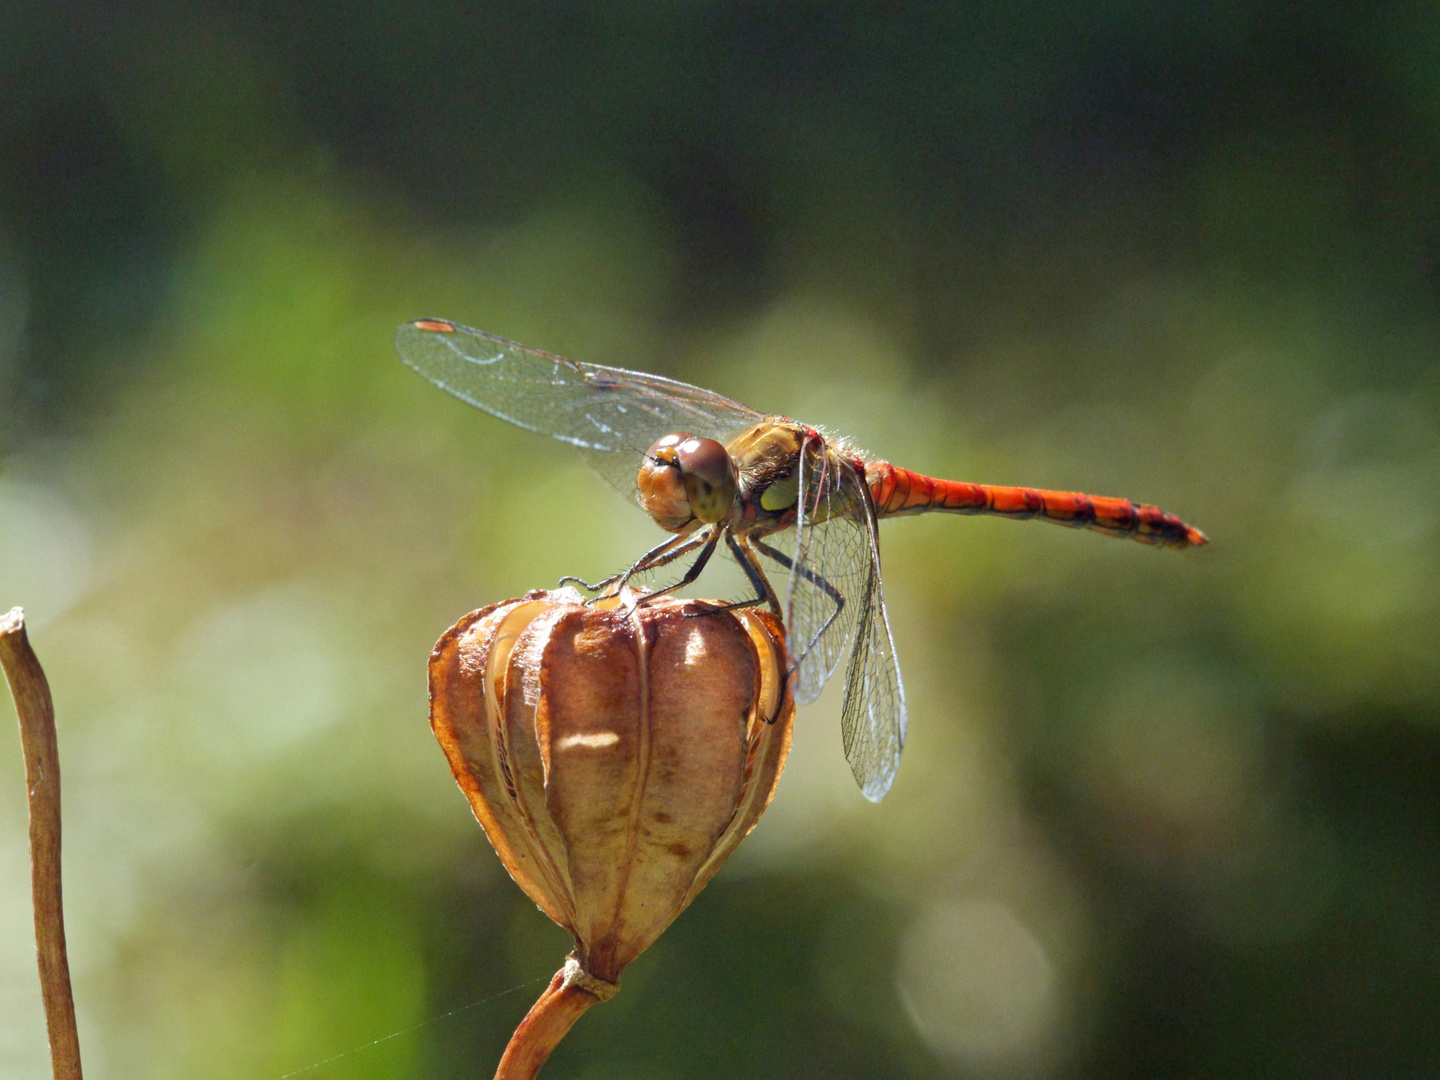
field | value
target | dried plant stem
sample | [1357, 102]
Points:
[42, 780]
[570, 993]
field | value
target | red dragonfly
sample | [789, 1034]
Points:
[779, 493]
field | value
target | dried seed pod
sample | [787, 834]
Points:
[615, 759]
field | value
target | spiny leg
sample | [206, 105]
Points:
[720, 609]
[655, 557]
[836, 596]
[692, 542]
[809, 575]
[764, 594]
[641, 564]
[745, 556]
[604, 583]
[695, 568]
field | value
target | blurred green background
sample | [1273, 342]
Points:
[1159, 816]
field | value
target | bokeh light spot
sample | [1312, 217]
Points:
[980, 987]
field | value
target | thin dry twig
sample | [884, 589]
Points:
[36, 711]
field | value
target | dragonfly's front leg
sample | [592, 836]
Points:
[665, 552]
[587, 586]
[710, 540]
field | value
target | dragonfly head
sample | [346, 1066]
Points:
[684, 478]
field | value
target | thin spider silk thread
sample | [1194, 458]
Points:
[415, 1027]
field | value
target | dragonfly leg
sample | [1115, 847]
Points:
[764, 591]
[587, 586]
[836, 596]
[809, 575]
[765, 594]
[667, 551]
[695, 568]
[720, 609]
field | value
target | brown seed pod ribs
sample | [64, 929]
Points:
[615, 759]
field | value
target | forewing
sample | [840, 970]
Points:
[836, 604]
[828, 577]
[612, 414]
[872, 721]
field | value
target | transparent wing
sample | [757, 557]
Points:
[829, 568]
[872, 720]
[836, 604]
[613, 415]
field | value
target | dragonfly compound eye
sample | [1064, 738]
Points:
[709, 478]
[661, 483]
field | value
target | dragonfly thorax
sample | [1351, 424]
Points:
[768, 459]
[684, 480]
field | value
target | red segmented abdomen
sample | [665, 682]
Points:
[899, 491]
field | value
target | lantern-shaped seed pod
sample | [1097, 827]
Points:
[615, 759]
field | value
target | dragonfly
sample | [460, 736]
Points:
[785, 498]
